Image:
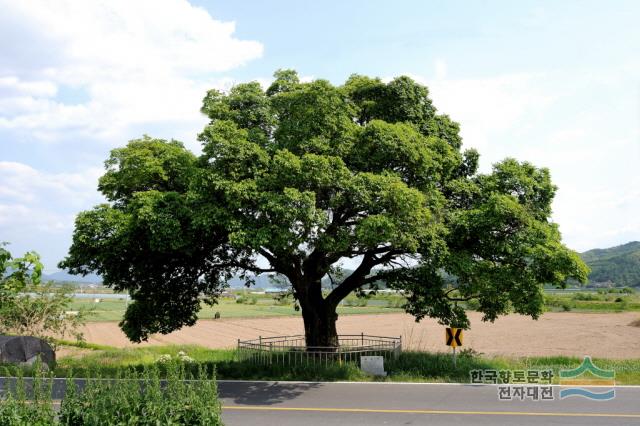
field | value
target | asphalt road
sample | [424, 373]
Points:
[322, 404]
[348, 403]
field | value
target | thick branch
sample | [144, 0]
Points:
[286, 265]
[359, 277]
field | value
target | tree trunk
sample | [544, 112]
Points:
[320, 325]
[318, 315]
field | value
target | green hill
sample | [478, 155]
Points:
[619, 265]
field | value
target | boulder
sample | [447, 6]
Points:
[25, 350]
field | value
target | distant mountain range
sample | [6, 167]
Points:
[63, 276]
[616, 266]
[619, 266]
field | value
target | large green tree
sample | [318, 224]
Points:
[297, 178]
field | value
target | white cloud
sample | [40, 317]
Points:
[20, 218]
[582, 126]
[487, 107]
[14, 86]
[78, 77]
[37, 209]
[23, 183]
[137, 62]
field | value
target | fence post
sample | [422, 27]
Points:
[362, 337]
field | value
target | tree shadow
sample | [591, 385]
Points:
[262, 393]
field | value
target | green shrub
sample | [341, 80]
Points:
[396, 302]
[189, 396]
[283, 300]
[551, 301]
[586, 297]
[138, 398]
[354, 301]
[247, 299]
[18, 409]
[566, 306]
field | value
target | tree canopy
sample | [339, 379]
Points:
[300, 176]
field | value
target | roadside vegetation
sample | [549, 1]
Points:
[137, 397]
[410, 367]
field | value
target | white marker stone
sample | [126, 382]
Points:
[373, 365]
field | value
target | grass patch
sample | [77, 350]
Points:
[601, 301]
[250, 305]
[410, 367]
[82, 345]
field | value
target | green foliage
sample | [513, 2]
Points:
[139, 398]
[395, 302]
[247, 299]
[472, 304]
[303, 175]
[135, 397]
[283, 300]
[19, 409]
[18, 273]
[619, 265]
[44, 313]
[617, 290]
[411, 366]
[600, 301]
[353, 301]
[586, 296]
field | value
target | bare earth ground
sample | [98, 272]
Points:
[599, 335]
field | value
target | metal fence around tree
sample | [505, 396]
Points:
[292, 350]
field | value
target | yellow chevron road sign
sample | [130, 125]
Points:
[453, 337]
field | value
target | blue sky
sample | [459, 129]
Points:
[555, 83]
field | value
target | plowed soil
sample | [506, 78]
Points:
[607, 335]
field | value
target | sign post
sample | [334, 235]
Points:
[453, 338]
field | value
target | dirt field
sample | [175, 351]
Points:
[599, 335]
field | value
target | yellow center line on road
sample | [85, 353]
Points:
[460, 412]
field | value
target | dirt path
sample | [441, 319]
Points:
[555, 333]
